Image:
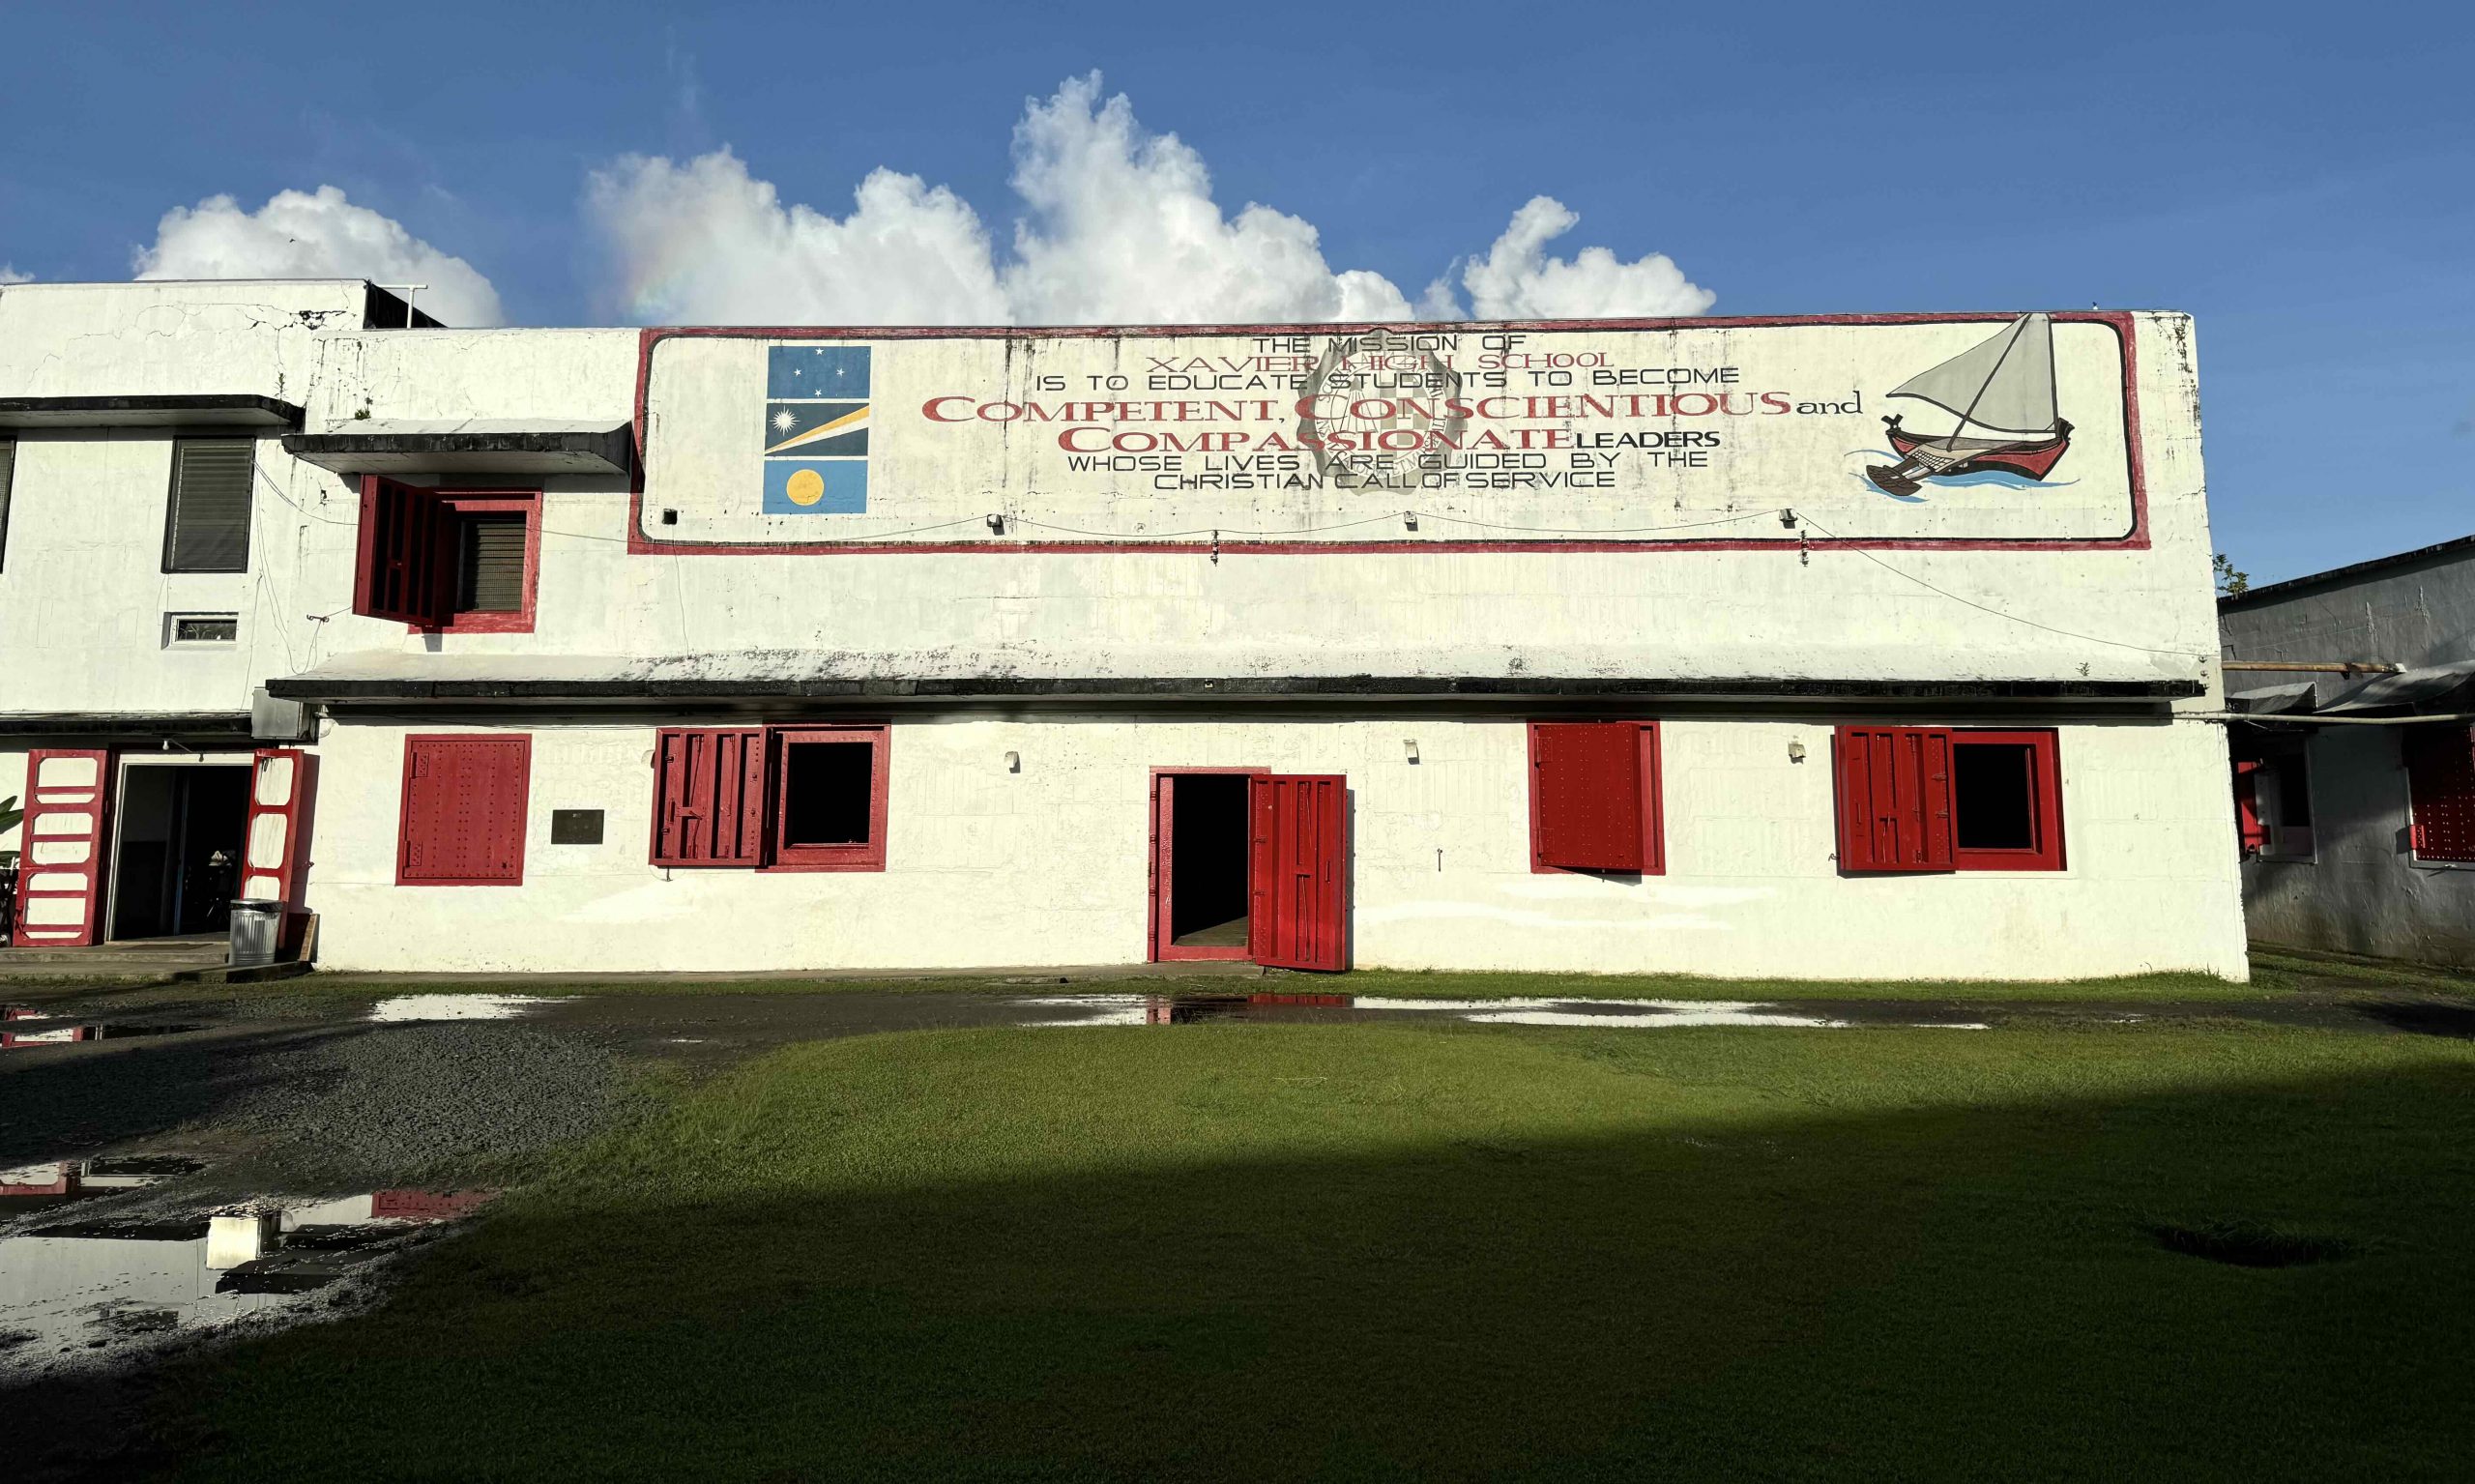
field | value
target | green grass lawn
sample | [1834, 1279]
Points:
[2275, 976]
[1252, 1251]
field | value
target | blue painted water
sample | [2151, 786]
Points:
[2003, 478]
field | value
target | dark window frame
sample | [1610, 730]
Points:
[172, 504]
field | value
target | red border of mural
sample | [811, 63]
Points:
[638, 544]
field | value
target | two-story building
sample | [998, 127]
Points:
[1857, 646]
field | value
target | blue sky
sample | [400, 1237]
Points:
[2298, 179]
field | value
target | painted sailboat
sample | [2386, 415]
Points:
[2002, 392]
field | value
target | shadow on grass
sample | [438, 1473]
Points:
[1275, 1252]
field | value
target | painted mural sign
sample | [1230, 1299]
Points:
[1963, 429]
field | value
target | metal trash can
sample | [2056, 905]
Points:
[256, 929]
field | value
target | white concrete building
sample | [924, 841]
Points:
[1609, 646]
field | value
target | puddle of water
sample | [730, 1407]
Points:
[1179, 1011]
[21, 1027]
[83, 1294]
[406, 1007]
[56, 1182]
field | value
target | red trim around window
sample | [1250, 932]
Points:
[2044, 789]
[483, 502]
[868, 856]
[1653, 825]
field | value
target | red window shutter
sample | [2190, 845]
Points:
[464, 810]
[60, 860]
[708, 796]
[1894, 799]
[2254, 834]
[282, 784]
[1586, 798]
[406, 569]
[2440, 789]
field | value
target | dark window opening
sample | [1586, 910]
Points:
[827, 794]
[206, 524]
[1994, 802]
[206, 628]
[1208, 898]
[489, 566]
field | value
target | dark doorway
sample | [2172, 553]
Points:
[1200, 874]
[179, 857]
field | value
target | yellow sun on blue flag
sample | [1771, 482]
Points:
[816, 430]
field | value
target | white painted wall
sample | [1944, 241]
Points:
[2363, 891]
[1049, 867]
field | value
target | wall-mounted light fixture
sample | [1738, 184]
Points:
[1795, 752]
[1409, 749]
[1411, 516]
[1013, 762]
[997, 525]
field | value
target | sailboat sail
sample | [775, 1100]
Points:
[2005, 385]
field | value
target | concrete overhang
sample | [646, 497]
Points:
[415, 684]
[469, 448]
[235, 410]
[124, 723]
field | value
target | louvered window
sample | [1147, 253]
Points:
[489, 574]
[453, 560]
[207, 527]
[7, 478]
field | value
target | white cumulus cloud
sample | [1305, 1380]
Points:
[705, 242]
[1517, 281]
[10, 275]
[1114, 226]
[314, 235]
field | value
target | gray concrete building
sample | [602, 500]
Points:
[2355, 766]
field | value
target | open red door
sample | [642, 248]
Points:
[1298, 873]
[282, 784]
[60, 870]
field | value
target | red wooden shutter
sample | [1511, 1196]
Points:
[276, 846]
[2440, 789]
[406, 569]
[708, 796]
[2253, 835]
[464, 810]
[1299, 871]
[1585, 795]
[1894, 799]
[60, 863]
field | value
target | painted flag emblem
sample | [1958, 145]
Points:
[816, 430]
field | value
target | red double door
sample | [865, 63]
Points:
[1294, 840]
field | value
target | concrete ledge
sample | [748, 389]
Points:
[1217, 687]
